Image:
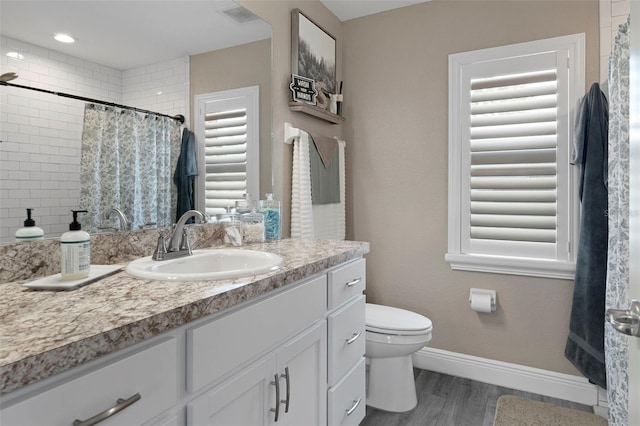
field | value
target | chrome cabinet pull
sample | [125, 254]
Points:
[354, 282]
[276, 410]
[286, 401]
[353, 339]
[354, 406]
[121, 404]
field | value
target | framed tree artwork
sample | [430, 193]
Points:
[313, 51]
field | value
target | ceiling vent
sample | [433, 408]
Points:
[240, 15]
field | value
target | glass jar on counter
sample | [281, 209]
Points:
[270, 208]
[246, 205]
[232, 228]
[253, 229]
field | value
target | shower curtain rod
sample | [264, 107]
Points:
[178, 117]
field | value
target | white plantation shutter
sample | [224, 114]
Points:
[510, 181]
[512, 175]
[229, 152]
[225, 157]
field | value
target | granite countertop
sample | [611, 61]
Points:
[43, 333]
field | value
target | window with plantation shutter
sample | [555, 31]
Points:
[512, 205]
[229, 153]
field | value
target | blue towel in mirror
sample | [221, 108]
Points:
[185, 174]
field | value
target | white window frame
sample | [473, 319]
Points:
[246, 97]
[459, 256]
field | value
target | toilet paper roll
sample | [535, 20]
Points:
[481, 302]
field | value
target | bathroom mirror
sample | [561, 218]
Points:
[118, 46]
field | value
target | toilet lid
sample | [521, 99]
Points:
[389, 320]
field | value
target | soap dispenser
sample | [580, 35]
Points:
[75, 251]
[30, 231]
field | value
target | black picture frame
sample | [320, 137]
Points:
[313, 51]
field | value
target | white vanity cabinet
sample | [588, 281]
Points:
[320, 373]
[126, 391]
[296, 353]
[346, 344]
[230, 340]
[286, 387]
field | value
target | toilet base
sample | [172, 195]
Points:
[391, 385]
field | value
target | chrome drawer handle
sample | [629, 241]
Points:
[354, 406]
[353, 282]
[353, 339]
[276, 410]
[121, 404]
[286, 377]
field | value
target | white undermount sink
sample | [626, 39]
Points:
[204, 265]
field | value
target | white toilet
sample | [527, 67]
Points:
[392, 336]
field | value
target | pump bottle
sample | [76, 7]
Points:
[75, 251]
[30, 231]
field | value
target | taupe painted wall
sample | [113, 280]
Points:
[232, 68]
[396, 100]
[394, 66]
[278, 14]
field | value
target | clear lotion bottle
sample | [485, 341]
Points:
[75, 251]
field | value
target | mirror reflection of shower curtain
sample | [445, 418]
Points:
[617, 293]
[127, 162]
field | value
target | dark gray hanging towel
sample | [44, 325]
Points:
[185, 174]
[585, 345]
[325, 170]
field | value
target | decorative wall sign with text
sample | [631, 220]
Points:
[303, 89]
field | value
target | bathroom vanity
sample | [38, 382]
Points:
[285, 347]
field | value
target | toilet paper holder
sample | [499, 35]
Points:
[483, 293]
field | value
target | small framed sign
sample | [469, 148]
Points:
[303, 89]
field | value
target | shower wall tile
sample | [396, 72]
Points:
[612, 14]
[161, 87]
[41, 133]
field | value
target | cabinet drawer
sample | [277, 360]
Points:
[346, 338]
[151, 372]
[218, 347]
[346, 282]
[347, 399]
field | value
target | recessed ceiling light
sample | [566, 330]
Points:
[64, 38]
[15, 55]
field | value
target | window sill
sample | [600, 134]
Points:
[512, 266]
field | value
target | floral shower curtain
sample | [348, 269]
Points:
[617, 294]
[127, 162]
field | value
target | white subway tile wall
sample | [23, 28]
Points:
[162, 87]
[41, 133]
[612, 14]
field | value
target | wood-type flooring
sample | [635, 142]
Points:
[452, 401]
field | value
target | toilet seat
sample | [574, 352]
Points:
[394, 321]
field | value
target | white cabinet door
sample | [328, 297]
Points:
[250, 397]
[229, 341]
[244, 399]
[302, 370]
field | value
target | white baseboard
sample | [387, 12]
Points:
[514, 376]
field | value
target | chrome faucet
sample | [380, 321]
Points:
[178, 245]
[124, 223]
